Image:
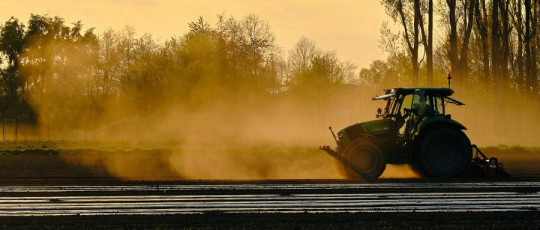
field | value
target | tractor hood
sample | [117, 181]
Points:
[375, 127]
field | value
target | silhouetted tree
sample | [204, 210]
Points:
[458, 54]
[11, 92]
[531, 53]
[409, 16]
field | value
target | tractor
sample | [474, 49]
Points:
[414, 129]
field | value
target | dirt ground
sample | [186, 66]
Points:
[476, 220]
[50, 166]
[176, 164]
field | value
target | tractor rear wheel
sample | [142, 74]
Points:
[364, 159]
[443, 152]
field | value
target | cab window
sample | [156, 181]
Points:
[438, 105]
[406, 104]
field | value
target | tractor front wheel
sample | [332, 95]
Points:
[363, 159]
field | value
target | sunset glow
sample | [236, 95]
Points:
[349, 27]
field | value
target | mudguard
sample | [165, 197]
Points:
[440, 119]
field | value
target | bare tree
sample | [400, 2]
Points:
[495, 43]
[459, 57]
[302, 54]
[519, 64]
[409, 16]
[530, 49]
[505, 30]
[427, 41]
[429, 45]
[482, 28]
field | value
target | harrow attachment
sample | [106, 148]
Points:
[483, 166]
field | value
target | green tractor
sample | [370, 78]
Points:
[414, 129]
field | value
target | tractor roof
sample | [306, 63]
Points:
[445, 92]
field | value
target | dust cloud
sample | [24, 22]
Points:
[400, 171]
[206, 163]
[219, 132]
[239, 132]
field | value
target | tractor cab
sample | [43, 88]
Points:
[410, 108]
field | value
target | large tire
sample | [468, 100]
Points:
[364, 159]
[442, 152]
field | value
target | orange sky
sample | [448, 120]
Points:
[350, 27]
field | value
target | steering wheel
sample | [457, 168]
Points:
[408, 112]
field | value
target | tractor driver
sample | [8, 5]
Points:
[414, 111]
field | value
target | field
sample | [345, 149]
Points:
[519, 220]
[29, 166]
[171, 161]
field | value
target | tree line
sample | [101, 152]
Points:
[485, 43]
[58, 73]
[49, 67]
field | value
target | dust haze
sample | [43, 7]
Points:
[236, 109]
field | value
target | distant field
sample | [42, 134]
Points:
[80, 144]
[162, 161]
